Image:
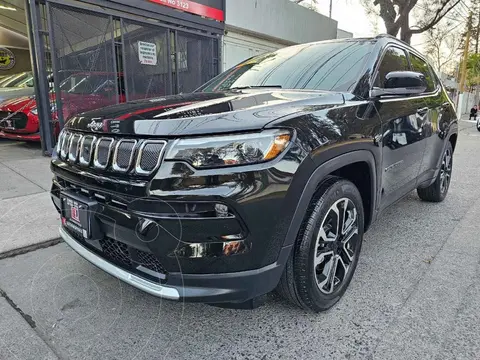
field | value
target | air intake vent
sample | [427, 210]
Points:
[87, 150]
[149, 156]
[65, 145]
[74, 147]
[102, 152]
[123, 157]
[61, 137]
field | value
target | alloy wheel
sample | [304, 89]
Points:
[446, 171]
[336, 244]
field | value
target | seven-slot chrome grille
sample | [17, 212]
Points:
[106, 153]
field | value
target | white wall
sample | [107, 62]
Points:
[238, 47]
[281, 19]
[342, 34]
[465, 103]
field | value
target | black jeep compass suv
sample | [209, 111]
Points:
[264, 178]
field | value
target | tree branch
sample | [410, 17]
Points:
[436, 19]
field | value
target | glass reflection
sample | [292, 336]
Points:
[333, 65]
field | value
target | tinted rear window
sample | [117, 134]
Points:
[422, 67]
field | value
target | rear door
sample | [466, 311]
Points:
[402, 145]
[433, 106]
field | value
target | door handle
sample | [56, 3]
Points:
[422, 111]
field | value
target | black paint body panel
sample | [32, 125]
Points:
[330, 130]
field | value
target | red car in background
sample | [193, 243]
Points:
[80, 92]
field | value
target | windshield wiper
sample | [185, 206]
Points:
[255, 87]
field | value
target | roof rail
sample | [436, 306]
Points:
[382, 36]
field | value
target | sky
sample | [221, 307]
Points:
[351, 16]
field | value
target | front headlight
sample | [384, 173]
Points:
[228, 150]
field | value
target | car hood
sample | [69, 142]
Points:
[202, 113]
[25, 101]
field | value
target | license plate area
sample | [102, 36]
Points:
[78, 215]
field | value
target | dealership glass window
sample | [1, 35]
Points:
[83, 52]
[196, 60]
[135, 60]
[321, 66]
[86, 83]
[146, 60]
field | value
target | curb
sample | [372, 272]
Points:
[30, 248]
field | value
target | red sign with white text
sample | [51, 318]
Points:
[193, 8]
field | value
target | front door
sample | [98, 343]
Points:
[402, 145]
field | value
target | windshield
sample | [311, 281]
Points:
[317, 66]
[86, 83]
[14, 80]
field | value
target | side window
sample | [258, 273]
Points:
[421, 66]
[436, 81]
[394, 59]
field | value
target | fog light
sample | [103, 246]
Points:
[214, 249]
[221, 210]
[234, 248]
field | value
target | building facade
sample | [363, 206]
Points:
[127, 50]
[254, 27]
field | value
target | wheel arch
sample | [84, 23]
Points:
[453, 140]
[334, 166]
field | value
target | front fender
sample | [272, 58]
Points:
[318, 175]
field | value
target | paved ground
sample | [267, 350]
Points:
[25, 179]
[415, 295]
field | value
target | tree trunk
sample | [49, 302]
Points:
[392, 30]
[478, 34]
[405, 33]
[406, 36]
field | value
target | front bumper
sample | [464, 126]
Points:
[181, 230]
[20, 137]
[149, 260]
[208, 288]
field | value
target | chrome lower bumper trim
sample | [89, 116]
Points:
[134, 280]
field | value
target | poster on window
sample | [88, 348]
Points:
[147, 53]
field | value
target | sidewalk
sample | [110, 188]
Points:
[27, 216]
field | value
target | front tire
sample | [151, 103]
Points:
[439, 189]
[327, 248]
[478, 124]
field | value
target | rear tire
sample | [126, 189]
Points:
[439, 189]
[326, 251]
[478, 124]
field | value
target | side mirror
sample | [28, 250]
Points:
[401, 83]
